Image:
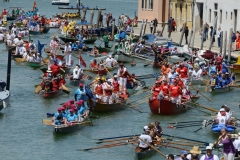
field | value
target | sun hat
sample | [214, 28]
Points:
[195, 150]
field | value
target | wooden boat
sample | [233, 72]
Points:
[4, 95]
[220, 89]
[10, 47]
[45, 30]
[104, 107]
[67, 128]
[100, 49]
[166, 107]
[50, 94]
[74, 39]
[98, 71]
[81, 8]
[123, 58]
[144, 154]
[94, 55]
[236, 67]
[33, 64]
[75, 82]
[16, 56]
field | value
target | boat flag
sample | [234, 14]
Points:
[40, 47]
[82, 62]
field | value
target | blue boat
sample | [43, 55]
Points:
[217, 128]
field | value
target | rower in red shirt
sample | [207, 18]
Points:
[164, 88]
[61, 80]
[55, 84]
[156, 89]
[179, 82]
[55, 68]
[175, 93]
[98, 90]
[183, 71]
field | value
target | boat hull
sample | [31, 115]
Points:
[67, 129]
[75, 82]
[45, 30]
[221, 90]
[217, 128]
[103, 107]
[60, 3]
[145, 154]
[4, 95]
[50, 94]
[123, 58]
[235, 68]
[198, 82]
[33, 64]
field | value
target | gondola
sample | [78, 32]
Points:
[44, 30]
[67, 128]
[75, 82]
[143, 154]
[220, 89]
[104, 107]
[50, 94]
[166, 107]
[73, 39]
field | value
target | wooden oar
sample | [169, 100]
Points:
[184, 122]
[187, 124]
[175, 127]
[207, 83]
[210, 109]
[148, 95]
[184, 138]
[152, 147]
[118, 137]
[201, 93]
[145, 65]
[174, 147]
[49, 122]
[121, 139]
[65, 89]
[197, 109]
[38, 89]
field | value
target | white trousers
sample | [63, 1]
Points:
[18, 49]
[229, 156]
[108, 99]
[122, 83]
[68, 59]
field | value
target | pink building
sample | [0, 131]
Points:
[151, 9]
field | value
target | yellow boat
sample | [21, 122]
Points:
[236, 67]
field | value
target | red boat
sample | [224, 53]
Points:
[50, 94]
[166, 107]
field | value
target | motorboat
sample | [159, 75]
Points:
[60, 2]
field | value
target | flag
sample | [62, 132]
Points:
[40, 47]
[82, 62]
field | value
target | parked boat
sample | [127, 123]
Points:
[74, 39]
[104, 107]
[166, 107]
[50, 94]
[60, 2]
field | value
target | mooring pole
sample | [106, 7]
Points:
[9, 66]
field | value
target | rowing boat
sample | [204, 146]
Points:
[166, 107]
[33, 64]
[144, 154]
[94, 55]
[104, 107]
[220, 89]
[67, 128]
[198, 81]
[75, 82]
[73, 39]
[50, 94]
[216, 128]
[44, 30]
[97, 71]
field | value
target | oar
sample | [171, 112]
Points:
[38, 89]
[152, 147]
[210, 109]
[49, 122]
[174, 127]
[118, 137]
[121, 139]
[201, 93]
[207, 83]
[145, 65]
[140, 99]
[184, 122]
[204, 126]
[184, 138]
[174, 147]
[65, 89]
[196, 109]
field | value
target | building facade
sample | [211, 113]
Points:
[227, 12]
[182, 11]
[151, 9]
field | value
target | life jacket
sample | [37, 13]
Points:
[108, 92]
[94, 65]
[99, 89]
[156, 90]
[115, 86]
[121, 73]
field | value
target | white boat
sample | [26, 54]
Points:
[4, 95]
[60, 2]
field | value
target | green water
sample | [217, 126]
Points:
[23, 136]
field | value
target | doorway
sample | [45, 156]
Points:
[235, 21]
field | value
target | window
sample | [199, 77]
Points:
[215, 14]
[150, 5]
[220, 16]
[231, 15]
[209, 16]
[226, 15]
[143, 4]
[215, 6]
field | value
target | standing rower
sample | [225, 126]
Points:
[122, 73]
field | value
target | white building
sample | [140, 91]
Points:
[228, 12]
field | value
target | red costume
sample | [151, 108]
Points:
[175, 91]
[99, 89]
[165, 89]
[62, 82]
[55, 69]
[55, 85]
[183, 72]
[115, 86]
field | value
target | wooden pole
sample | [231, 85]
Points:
[113, 26]
[91, 18]
[203, 36]
[9, 67]
[181, 38]
[84, 14]
[225, 45]
[214, 29]
[190, 38]
[192, 43]
[98, 17]
[221, 43]
[230, 44]
[141, 28]
[144, 30]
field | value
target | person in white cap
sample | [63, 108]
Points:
[209, 155]
[76, 72]
[221, 119]
[145, 136]
[109, 62]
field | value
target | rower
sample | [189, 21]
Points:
[57, 118]
[221, 119]
[107, 92]
[71, 118]
[55, 68]
[183, 72]
[116, 85]
[76, 73]
[55, 84]
[157, 129]
[68, 54]
[75, 46]
[156, 88]
[61, 80]
[95, 51]
[131, 81]
[175, 93]
[164, 90]
[83, 112]
[80, 93]
[109, 62]
[47, 85]
[98, 90]
[122, 73]
[94, 64]
[197, 73]
[145, 136]
[2, 85]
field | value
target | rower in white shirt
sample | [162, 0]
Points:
[109, 62]
[19, 45]
[107, 92]
[197, 73]
[22, 50]
[76, 72]
[1, 36]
